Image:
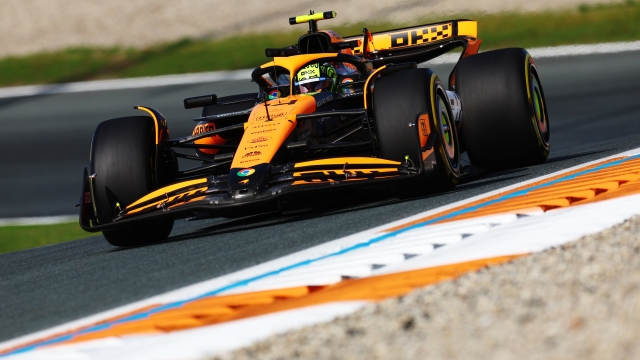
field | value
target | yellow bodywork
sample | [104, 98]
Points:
[468, 28]
[417, 35]
[313, 17]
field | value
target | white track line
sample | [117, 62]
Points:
[119, 84]
[40, 220]
[311, 253]
[197, 343]
[217, 76]
[557, 51]
[511, 237]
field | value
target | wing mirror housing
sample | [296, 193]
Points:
[200, 101]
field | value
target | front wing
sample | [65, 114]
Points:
[210, 196]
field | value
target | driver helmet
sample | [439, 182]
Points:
[315, 78]
[343, 68]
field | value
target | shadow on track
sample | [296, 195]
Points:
[334, 205]
[343, 202]
[475, 180]
[574, 156]
[480, 182]
[358, 202]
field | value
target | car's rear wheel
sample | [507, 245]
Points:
[123, 161]
[398, 99]
[505, 119]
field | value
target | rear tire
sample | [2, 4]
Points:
[123, 159]
[398, 99]
[505, 120]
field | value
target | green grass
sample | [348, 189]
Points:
[586, 24]
[14, 238]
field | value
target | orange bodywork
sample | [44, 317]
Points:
[264, 134]
[293, 63]
[473, 46]
[261, 141]
[191, 187]
[424, 131]
[211, 140]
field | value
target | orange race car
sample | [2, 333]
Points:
[330, 113]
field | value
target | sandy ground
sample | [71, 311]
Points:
[580, 301]
[29, 26]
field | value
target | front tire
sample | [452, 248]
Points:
[505, 120]
[123, 160]
[398, 99]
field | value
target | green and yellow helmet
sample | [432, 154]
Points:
[315, 78]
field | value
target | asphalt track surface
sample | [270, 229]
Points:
[594, 111]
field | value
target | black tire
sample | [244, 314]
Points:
[123, 159]
[505, 119]
[398, 99]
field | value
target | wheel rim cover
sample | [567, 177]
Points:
[445, 129]
[539, 108]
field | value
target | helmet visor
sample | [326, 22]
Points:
[313, 85]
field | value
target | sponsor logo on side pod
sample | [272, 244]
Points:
[246, 172]
[324, 101]
[260, 139]
[252, 153]
[423, 125]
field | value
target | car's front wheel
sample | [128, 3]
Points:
[123, 161]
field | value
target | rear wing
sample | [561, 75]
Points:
[415, 44]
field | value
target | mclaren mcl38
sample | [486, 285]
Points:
[329, 113]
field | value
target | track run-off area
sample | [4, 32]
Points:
[219, 284]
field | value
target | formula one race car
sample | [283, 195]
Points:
[330, 113]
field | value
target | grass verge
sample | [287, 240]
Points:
[586, 24]
[14, 238]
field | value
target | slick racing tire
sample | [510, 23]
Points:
[398, 99]
[122, 159]
[505, 122]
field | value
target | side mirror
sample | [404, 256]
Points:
[288, 51]
[200, 101]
